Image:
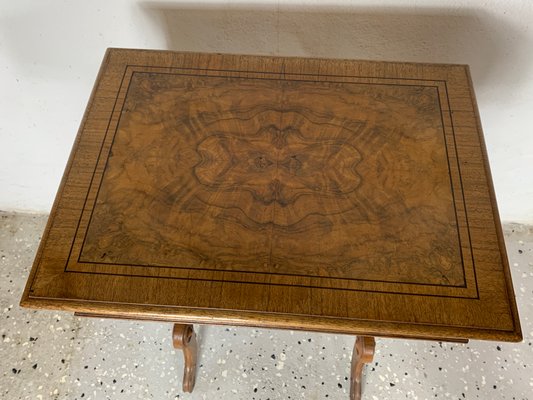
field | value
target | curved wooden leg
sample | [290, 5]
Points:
[363, 353]
[184, 338]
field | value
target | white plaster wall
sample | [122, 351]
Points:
[50, 53]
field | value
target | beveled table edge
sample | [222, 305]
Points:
[270, 320]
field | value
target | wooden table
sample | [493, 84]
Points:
[324, 195]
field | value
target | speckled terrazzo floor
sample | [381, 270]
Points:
[50, 355]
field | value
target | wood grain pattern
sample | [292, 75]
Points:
[252, 175]
[329, 195]
[363, 353]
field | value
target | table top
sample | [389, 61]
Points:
[329, 195]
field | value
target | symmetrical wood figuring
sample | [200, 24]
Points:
[184, 338]
[363, 353]
[257, 175]
[330, 195]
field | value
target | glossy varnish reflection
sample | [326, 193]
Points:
[340, 196]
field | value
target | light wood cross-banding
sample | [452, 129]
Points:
[324, 195]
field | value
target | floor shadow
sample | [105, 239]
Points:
[440, 35]
[201, 335]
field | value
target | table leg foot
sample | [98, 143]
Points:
[184, 338]
[363, 353]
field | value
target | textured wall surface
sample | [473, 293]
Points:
[50, 52]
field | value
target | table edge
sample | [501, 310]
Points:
[271, 320]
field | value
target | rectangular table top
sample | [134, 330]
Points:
[330, 195]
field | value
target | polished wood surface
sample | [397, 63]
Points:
[363, 353]
[329, 195]
[274, 184]
[184, 338]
